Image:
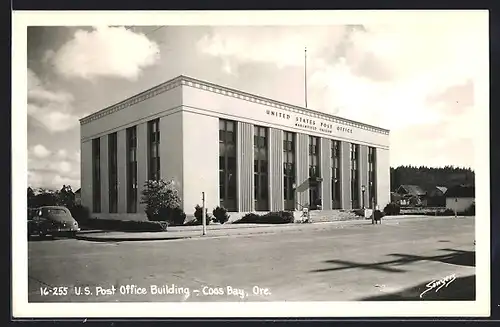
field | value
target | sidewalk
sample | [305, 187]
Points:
[190, 232]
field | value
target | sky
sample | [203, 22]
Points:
[418, 80]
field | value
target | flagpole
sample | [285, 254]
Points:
[305, 74]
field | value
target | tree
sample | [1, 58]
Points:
[31, 198]
[66, 196]
[46, 198]
[161, 199]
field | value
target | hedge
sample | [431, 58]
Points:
[220, 215]
[126, 225]
[280, 217]
[392, 209]
[198, 214]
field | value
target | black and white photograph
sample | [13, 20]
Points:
[233, 164]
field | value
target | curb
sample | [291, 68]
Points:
[129, 239]
[164, 238]
[249, 231]
[284, 229]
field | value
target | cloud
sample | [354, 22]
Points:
[62, 153]
[52, 171]
[51, 109]
[405, 78]
[40, 151]
[283, 46]
[105, 51]
[382, 74]
[76, 156]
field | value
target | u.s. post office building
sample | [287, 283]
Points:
[246, 152]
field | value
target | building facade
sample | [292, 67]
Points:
[246, 152]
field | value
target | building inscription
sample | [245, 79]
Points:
[310, 123]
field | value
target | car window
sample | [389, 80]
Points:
[57, 214]
[56, 211]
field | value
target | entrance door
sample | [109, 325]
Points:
[314, 195]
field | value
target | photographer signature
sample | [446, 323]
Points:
[438, 284]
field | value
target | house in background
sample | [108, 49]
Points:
[436, 196]
[459, 198]
[412, 195]
[395, 198]
[78, 196]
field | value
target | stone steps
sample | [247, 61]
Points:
[317, 216]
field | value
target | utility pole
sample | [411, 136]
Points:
[305, 74]
[203, 214]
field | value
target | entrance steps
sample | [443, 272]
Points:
[317, 216]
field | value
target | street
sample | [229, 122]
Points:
[391, 261]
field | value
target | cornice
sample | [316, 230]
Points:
[222, 90]
[157, 90]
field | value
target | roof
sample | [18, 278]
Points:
[192, 82]
[52, 207]
[442, 189]
[78, 191]
[413, 189]
[461, 191]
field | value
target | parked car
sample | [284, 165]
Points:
[52, 220]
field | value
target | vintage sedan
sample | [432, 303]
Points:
[52, 220]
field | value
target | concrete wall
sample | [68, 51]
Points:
[140, 112]
[188, 126]
[122, 170]
[276, 169]
[104, 176]
[459, 204]
[244, 152]
[302, 178]
[260, 112]
[200, 153]
[142, 163]
[363, 174]
[171, 150]
[86, 173]
[383, 178]
[345, 175]
[326, 173]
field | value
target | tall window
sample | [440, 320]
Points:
[96, 175]
[354, 150]
[154, 149]
[260, 169]
[314, 172]
[112, 173]
[335, 164]
[372, 194]
[227, 164]
[132, 170]
[289, 170]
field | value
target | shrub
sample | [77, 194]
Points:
[470, 211]
[448, 212]
[198, 214]
[281, 217]
[178, 216]
[80, 213]
[127, 225]
[377, 215]
[160, 197]
[173, 216]
[392, 209]
[220, 214]
[359, 212]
